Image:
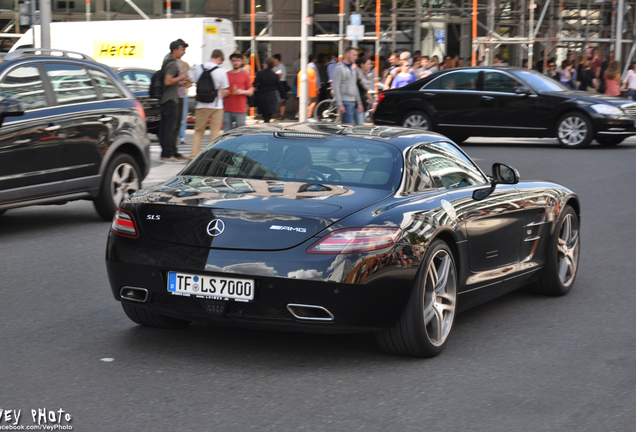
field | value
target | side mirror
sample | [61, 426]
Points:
[11, 108]
[501, 174]
[523, 90]
[504, 174]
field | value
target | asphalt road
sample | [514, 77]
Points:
[519, 363]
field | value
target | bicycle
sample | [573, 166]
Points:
[327, 111]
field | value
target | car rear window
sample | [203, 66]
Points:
[350, 161]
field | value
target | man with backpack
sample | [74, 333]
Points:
[169, 100]
[212, 87]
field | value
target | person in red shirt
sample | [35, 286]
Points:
[235, 105]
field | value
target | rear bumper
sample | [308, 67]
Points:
[359, 295]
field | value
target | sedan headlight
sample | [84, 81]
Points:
[607, 109]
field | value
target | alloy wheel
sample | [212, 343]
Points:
[417, 121]
[440, 297]
[568, 250]
[573, 131]
[124, 182]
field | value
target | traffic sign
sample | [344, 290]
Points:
[355, 32]
[440, 37]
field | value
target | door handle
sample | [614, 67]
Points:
[52, 128]
[487, 98]
[429, 94]
[105, 119]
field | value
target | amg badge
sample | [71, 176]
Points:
[287, 228]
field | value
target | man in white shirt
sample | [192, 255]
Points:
[210, 111]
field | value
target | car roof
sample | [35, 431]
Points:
[345, 131]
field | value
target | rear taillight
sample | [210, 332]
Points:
[124, 224]
[380, 97]
[140, 109]
[355, 240]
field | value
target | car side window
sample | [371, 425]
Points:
[459, 80]
[71, 83]
[451, 167]
[142, 80]
[128, 79]
[24, 83]
[106, 84]
[499, 82]
[417, 178]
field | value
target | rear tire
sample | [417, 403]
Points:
[121, 179]
[574, 130]
[417, 120]
[610, 141]
[147, 318]
[563, 260]
[427, 320]
[326, 112]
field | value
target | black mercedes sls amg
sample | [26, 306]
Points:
[332, 228]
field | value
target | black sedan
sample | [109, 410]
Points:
[138, 81]
[331, 228]
[507, 102]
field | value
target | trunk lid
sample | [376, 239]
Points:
[245, 214]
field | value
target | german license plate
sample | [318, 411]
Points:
[215, 287]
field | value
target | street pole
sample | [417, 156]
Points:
[88, 10]
[303, 89]
[473, 61]
[619, 32]
[45, 24]
[341, 30]
[168, 9]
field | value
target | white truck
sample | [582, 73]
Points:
[138, 43]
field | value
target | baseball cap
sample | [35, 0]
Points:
[405, 55]
[236, 53]
[176, 44]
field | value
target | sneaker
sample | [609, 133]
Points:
[169, 159]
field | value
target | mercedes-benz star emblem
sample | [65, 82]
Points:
[216, 227]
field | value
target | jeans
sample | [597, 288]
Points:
[229, 118]
[166, 128]
[631, 94]
[350, 115]
[184, 120]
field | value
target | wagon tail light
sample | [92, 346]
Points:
[355, 240]
[124, 224]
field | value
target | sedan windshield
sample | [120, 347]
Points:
[350, 161]
[539, 82]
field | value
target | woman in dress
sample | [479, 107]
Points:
[268, 90]
[404, 77]
[612, 77]
[629, 82]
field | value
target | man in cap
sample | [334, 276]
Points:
[170, 99]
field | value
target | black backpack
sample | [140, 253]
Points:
[157, 85]
[206, 91]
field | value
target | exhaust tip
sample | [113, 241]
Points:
[309, 312]
[134, 294]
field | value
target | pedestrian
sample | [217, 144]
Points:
[235, 104]
[186, 102]
[268, 90]
[330, 67]
[629, 82]
[345, 88]
[312, 86]
[551, 71]
[365, 85]
[568, 75]
[587, 78]
[498, 60]
[612, 77]
[281, 70]
[404, 77]
[210, 111]
[170, 99]
[394, 62]
[296, 69]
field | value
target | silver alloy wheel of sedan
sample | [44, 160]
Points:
[417, 120]
[124, 182]
[568, 250]
[440, 297]
[574, 131]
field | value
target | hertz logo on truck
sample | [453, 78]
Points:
[118, 49]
